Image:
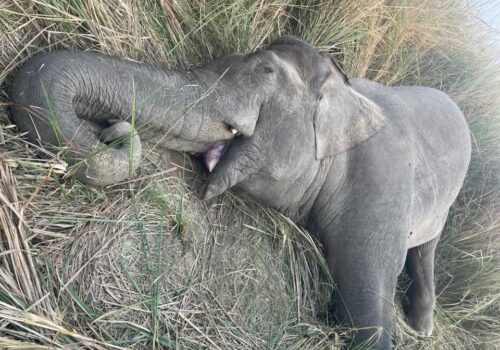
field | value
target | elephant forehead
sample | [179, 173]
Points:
[291, 68]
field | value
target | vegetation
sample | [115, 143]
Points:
[146, 265]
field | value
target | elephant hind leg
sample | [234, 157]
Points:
[422, 299]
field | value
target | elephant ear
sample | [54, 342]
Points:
[343, 118]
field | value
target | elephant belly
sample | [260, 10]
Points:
[440, 168]
[427, 229]
[430, 203]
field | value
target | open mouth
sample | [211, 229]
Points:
[214, 154]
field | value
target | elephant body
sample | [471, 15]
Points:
[415, 163]
[370, 170]
[386, 201]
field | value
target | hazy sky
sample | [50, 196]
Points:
[489, 12]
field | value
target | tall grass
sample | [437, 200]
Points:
[146, 265]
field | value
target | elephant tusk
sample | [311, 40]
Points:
[233, 131]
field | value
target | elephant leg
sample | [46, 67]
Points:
[422, 299]
[364, 298]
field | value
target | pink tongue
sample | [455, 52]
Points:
[212, 156]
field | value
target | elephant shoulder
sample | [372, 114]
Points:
[384, 165]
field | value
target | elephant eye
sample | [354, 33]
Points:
[268, 69]
[264, 68]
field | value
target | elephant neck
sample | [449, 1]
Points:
[328, 198]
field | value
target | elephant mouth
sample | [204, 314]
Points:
[214, 154]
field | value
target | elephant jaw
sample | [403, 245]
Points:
[216, 151]
[214, 154]
[238, 165]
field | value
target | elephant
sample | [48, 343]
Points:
[369, 170]
[95, 106]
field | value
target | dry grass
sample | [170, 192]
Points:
[146, 265]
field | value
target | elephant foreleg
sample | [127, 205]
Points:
[364, 298]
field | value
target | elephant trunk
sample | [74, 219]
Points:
[67, 98]
[174, 108]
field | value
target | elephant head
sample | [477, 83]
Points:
[309, 113]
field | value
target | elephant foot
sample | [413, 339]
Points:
[422, 321]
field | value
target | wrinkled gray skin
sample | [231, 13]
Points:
[86, 101]
[370, 170]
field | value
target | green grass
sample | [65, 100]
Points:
[147, 265]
